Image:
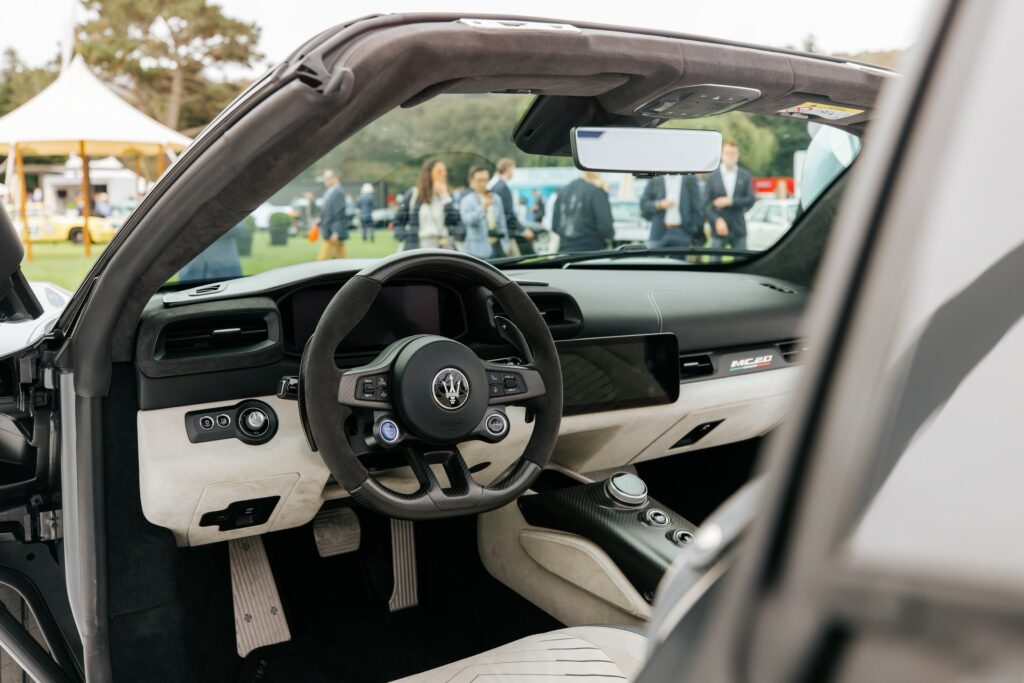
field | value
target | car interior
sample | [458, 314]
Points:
[617, 405]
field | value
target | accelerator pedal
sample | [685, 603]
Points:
[336, 532]
[259, 617]
[403, 563]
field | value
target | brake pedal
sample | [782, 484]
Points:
[259, 616]
[403, 564]
[336, 532]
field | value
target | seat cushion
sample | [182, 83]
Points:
[581, 654]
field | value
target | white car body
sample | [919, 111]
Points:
[768, 220]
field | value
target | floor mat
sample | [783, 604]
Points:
[342, 630]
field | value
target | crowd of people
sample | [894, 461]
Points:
[484, 219]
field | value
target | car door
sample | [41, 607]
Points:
[888, 547]
[37, 630]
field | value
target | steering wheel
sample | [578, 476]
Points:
[425, 394]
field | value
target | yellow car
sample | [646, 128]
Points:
[45, 227]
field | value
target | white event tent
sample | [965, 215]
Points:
[78, 114]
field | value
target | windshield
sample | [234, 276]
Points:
[446, 174]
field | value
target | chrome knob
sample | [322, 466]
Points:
[256, 421]
[627, 489]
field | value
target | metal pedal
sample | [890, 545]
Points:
[403, 563]
[259, 617]
[336, 532]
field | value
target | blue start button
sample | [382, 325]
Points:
[388, 429]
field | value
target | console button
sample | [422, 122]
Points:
[680, 537]
[206, 422]
[656, 517]
[223, 421]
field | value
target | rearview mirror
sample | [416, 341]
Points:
[646, 150]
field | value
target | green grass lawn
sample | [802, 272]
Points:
[65, 264]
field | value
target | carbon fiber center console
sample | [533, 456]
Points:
[639, 534]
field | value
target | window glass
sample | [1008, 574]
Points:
[446, 174]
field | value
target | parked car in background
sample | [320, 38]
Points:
[630, 226]
[262, 213]
[383, 216]
[767, 220]
[47, 227]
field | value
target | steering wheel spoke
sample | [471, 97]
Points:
[512, 384]
[462, 491]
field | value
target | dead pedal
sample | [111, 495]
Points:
[259, 617]
[403, 563]
[336, 532]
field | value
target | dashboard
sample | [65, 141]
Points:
[655, 363]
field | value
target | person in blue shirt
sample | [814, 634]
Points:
[483, 218]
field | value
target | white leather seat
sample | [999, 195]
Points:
[581, 654]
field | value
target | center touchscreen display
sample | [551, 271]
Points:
[618, 372]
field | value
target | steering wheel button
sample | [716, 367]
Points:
[388, 430]
[383, 394]
[382, 381]
[496, 390]
[493, 378]
[496, 424]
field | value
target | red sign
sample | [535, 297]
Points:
[775, 186]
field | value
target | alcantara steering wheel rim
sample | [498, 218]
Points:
[432, 416]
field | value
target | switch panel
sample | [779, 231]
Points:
[252, 422]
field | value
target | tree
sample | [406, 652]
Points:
[162, 50]
[20, 83]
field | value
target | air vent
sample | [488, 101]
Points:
[792, 350]
[777, 288]
[205, 290]
[692, 367]
[552, 311]
[560, 313]
[208, 335]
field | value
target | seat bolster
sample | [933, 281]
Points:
[580, 654]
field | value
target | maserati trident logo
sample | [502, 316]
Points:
[451, 389]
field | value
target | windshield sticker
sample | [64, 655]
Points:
[825, 111]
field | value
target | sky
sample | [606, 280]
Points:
[35, 29]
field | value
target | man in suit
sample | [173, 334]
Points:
[519, 234]
[730, 193]
[673, 206]
[334, 219]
